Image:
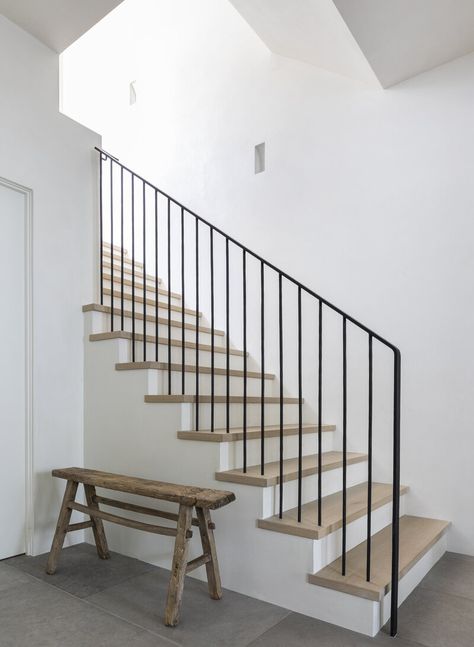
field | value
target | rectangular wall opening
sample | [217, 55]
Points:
[260, 158]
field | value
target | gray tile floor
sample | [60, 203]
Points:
[90, 603]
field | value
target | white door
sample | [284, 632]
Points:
[12, 371]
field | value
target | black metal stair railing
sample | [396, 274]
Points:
[112, 199]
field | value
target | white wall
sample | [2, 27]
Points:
[50, 154]
[367, 196]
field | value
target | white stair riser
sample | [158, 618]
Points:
[272, 415]
[176, 331]
[272, 448]
[150, 289]
[158, 383]
[329, 548]
[127, 270]
[235, 361]
[150, 308]
[331, 483]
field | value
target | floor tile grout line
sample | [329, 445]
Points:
[134, 624]
[99, 608]
[269, 629]
[454, 595]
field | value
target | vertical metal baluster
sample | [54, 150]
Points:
[121, 253]
[183, 329]
[262, 362]
[211, 248]
[197, 324]
[112, 284]
[169, 297]
[300, 409]
[227, 327]
[101, 229]
[397, 372]
[133, 267]
[344, 443]
[144, 271]
[244, 305]
[369, 464]
[280, 330]
[320, 414]
[157, 293]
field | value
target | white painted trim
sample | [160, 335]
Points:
[29, 453]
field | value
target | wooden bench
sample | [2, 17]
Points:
[203, 500]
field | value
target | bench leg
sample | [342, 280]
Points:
[178, 568]
[61, 527]
[97, 525]
[209, 548]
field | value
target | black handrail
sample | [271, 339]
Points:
[321, 301]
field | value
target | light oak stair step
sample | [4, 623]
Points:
[330, 461]
[417, 536]
[124, 334]
[237, 433]
[128, 270]
[150, 302]
[139, 285]
[189, 368]
[162, 321]
[117, 257]
[331, 511]
[117, 248]
[218, 399]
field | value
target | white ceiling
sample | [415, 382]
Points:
[310, 31]
[390, 40]
[401, 38]
[57, 23]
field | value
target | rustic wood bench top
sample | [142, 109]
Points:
[184, 494]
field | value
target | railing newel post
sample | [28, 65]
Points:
[300, 410]
[144, 271]
[280, 336]
[101, 230]
[197, 324]
[396, 491]
[244, 306]
[183, 327]
[169, 296]
[112, 284]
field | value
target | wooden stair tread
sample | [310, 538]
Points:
[330, 460]
[128, 270]
[218, 399]
[417, 536]
[150, 302]
[106, 246]
[331, 511]
[117, 257]
[150, 287]
[125, 334]
[162, 321]
[191, 368]
[235, 434]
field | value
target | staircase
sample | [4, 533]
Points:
[312, 529]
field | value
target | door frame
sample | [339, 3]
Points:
[29, 445]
